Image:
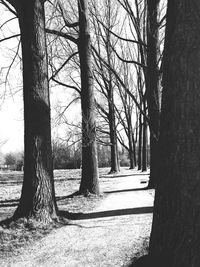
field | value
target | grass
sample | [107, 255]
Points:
[17, 237]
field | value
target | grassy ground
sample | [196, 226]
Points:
[19, 238]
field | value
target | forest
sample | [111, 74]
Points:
[111, 83]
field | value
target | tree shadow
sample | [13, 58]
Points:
[58, 179]
[77, 193]
[118, 175]
[103, 214]
[9, 203]
[126, 190]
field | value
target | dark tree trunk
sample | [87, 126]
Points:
[175, 232]
[152, 86]
[134, 151]
[144, 139]
[38, 196]
[131, 146]
[90, 176]
[140, 143]
[113, 134]
[111, 108]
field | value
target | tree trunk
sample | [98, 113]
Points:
[134, 151]
[111, 108]
[38, 195]
[90, 176]
[144, 139]
[152, 86]
[131, 145]
[140, 143]
[113, 134]
[175, 232]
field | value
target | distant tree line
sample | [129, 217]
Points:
[65, 157]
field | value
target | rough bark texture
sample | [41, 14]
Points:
[140, 143]
[38, 196]
[144, 139]
[152, 85]
[111, 108]
[113, 134]
[90, 176]
[131, 141]
[176, 221]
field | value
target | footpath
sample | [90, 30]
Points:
[112, 234]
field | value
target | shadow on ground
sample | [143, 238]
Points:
[119, 175]
[153, 261]
[103, 214]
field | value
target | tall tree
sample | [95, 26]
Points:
[90, 176]
[89, 180]
[111, 108]
[175, 233]
[103, 23]
[152, 84]
[38, 196]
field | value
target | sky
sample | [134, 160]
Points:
[11, 106]
[11, 103]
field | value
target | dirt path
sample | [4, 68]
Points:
[109, 235]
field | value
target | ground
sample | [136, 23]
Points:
[110, 230]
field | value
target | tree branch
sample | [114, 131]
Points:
[66, 85]
[12, 3]
[10, 37]
[62, 66]
[62, 34]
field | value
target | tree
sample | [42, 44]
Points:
[89, 180]
[152, 84]
[90, 176]
[175, 232]
[104, 73]
[38, 197]
[10, 159]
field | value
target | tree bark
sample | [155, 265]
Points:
[38, 194]
[144, 139]
[111, 109]
[90, 176]
[152, 85]
[175, 232]
[140, 143]
[113, 134]
[131, 142]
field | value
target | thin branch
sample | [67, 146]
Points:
[101, 108]
[12, 3]
[66, 85]
[2, 25]
[67, 24]
[122, 83]
[10, 37]
[121, 38]
[62, 66]
[62, 34]
[128, 61]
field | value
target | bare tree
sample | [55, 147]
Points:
[89, 180]
[104, 47]
[38, 197]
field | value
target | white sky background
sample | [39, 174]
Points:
[11, 100]
[11, 106]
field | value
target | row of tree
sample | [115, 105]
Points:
[174, 144]
[38, 194]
